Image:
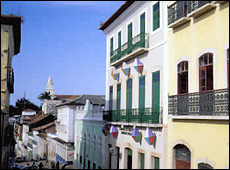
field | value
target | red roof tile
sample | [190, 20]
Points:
[44, 126]
[66, 96]
[28, 110]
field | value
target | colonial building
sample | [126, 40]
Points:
[34, 144]
[137, 84]
[10, 46]
[198, 125]
[90, 143]
[48, 105]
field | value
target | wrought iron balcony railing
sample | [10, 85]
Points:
[177, 11]
[145, 115]
[212, 103]
[10, 80]
[139, 41]
[194, 5]
[180, 11]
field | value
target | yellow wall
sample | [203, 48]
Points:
[4, 56]
[206, 138]
[209, 31]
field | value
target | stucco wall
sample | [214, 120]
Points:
[208, 140]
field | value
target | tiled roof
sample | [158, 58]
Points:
[42, 134]
[37, 118]
[51, 129]
[28, 110]
[94, 99]
[44, 126]
[116, 14]
[67, 97]
[29, 117]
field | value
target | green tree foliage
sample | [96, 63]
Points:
[22, 104]
[43, 96]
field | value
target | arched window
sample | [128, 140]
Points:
[182, 70]
[206, 72]
[204, 166]
[182, 157]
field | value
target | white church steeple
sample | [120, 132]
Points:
[50, 87]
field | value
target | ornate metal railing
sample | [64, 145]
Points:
[145, 115]
[177, 11]
[194, 5]
[181, 9]
[213, 103]
[139, 41]
[10, 80]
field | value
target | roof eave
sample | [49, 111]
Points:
[116, 14]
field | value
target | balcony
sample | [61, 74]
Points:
[146, 115]
[10, 80]
[197, 8]
[212, 103]
[177, 14]
[129, 50]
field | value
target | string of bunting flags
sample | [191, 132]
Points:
[149, 136]
[138, 66]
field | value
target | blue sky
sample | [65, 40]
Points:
[61, 39]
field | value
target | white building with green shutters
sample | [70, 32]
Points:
[137, 83]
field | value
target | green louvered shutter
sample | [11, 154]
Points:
[119, 41]
[129, 99]
[111, 46]
[142, 161]
[141, 97]
[118, 100]
[157, 163]
[111, 98]
[155, 96]
[142, 25]
[130, 32]
[156, 16]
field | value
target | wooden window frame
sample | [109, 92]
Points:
[180, 71]
[205, 67]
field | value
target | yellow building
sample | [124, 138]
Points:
[10, 46]
[198, 124]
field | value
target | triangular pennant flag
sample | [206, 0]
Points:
[105, 129]
[138, 65]
[136, 135]
[150, 137]
[125, 69]
[115, 74]
[113, 131]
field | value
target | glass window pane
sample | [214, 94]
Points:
[210, 59]
[201, 61]
[205, 59]
[186, 65]
[182, 66]
[202, 82]
[203, 73]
